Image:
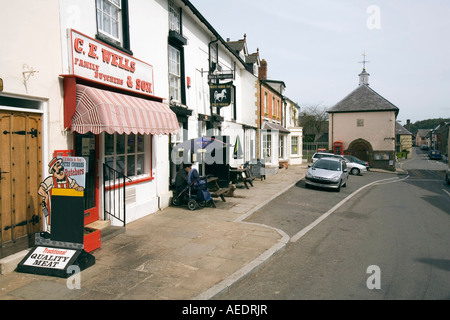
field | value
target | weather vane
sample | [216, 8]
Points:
[364, 61]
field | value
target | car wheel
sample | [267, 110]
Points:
[447, 179]
[339, 186]
[354, 171]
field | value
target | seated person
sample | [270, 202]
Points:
[181, 179]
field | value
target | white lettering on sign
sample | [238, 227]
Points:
[96, 61]
[45, 257]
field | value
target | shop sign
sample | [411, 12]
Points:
[96, 61]
[221, 75]
[47, 257]
[220, 94]
[75, 168]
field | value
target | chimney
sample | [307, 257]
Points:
[262, 75]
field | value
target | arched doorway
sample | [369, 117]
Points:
[361, 149]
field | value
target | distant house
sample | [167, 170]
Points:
[403, 140]
[364, 122]
[294, 149]
[422, 137]
[439, 137]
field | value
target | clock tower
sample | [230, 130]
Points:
[364, 77]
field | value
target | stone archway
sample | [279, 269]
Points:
[361, 149]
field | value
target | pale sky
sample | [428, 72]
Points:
[314, 46]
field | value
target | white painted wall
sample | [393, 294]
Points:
[30, 41]
[149, 25]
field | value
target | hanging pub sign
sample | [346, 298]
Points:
[220, 94]
[99, 62]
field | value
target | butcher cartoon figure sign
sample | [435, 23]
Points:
[58, 179]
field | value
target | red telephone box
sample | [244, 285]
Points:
[338, 147]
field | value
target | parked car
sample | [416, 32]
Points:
[424, 147]
[357, 160]
[318, 155]
[327, 173]
[355, 168]
[435, 154]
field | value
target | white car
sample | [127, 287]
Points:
[356, 168]
[353, 167]
[318, 155]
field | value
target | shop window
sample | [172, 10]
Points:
[125, 153]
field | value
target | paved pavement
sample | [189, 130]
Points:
[173, 254]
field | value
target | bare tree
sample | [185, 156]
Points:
[314, 119]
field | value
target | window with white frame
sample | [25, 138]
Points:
[178, 137]
[281, 147]
[267, 146]
[174, 74]
[174, 17]
[125, 153]
[109, 18]
[294, 145]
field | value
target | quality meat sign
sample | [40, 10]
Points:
[45, 257]
[96, 61]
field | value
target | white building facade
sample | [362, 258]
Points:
[119, 83]
[295, 141]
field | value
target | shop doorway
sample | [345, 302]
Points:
[21, 174]
[86, 146]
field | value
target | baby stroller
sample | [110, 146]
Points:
[194, 194]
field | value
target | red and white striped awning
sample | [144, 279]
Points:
[105, 111]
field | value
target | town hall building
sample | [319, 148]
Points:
[363, 124]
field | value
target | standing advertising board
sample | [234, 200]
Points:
[61, 246]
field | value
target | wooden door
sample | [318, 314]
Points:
[21, 167]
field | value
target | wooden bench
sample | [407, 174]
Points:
[216, 191]
[248, 176]
[243, 175]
